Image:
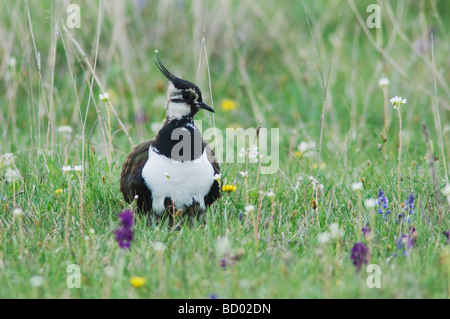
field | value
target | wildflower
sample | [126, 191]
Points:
[109, 271]
[249, 209]
[137, 282]
[213, 296]
[335, 231]
[36, 281]
[409, 204]
[104, 97]
[124, 234]
[405, 244]
[228, 105]
[223, 263]
[317, 187]
[229, 188]
[12, 175]
[270, 194]
[360, 255]
[297, 154]
[306, 149]
[18, 212]
[68, 168]
[217, 177]
[319, 166]
[383, 82]
[324, 238]
[397, 102]
[446, 192]
[253, 153]
[12, 62]
[222, 246]
[159, 247]
[8, 159]
[167, 175]
[357, 187]
[366, 230]
[370, 203]
[92, 231]
[65, 129]
[383, 202]
[58, 191]
[408, 207]
[244, 174]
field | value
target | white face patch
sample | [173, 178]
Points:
[188, 181]
[176, 110]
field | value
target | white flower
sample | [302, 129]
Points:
[64, 129]
[324, 238]
[12, 62]
[446, 190]
[335, 231]
[217, 177]
[223, 245]
[370, 203]
[383, 82]
[156, 51]
[8, 159]
[36, 281]
[249, 208]
[167, 175]
[253, 153]
[92, 231]
[12, 175]
[316, 186]
[270, 194]
[244, 174]
[104, 97]
[68, 168]
[18, 212]
[306, 147]
[108, 271]
[357, 187]
[159, 246]
[397, 101]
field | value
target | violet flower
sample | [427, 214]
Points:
[383, 202]
[409, 207]
[125, 233]
[366, 230]
[360, 255]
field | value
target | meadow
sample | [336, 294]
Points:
[315, 70]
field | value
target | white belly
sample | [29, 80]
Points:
[189, 180]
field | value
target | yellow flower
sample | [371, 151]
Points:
[229, 188]
[137, 282]
[228, 105]
[59, 191]
[320, 166]
[298, 154]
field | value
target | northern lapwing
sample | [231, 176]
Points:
[177, 166]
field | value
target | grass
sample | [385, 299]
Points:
[273, 60]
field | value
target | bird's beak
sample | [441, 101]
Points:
[205, 106]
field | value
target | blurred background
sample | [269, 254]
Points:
[268, 63]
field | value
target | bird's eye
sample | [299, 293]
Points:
[186, 95]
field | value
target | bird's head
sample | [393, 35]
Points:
[184, 98]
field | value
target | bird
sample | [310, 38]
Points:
[175, 173]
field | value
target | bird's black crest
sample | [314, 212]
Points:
[164, 70]
[179, 83]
